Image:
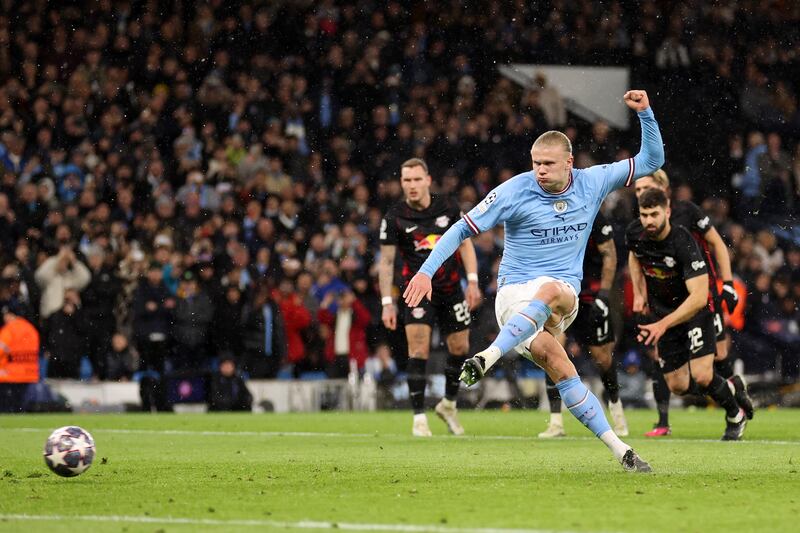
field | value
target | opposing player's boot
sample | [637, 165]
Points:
[447, 411]
[631, 462]
[741, 395]
[618, 416]
[420, 427]
[659, 431]
[554, 430]
[473, 369]
[735, 428]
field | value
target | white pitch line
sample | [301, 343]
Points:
[373, 435]
[303, 524]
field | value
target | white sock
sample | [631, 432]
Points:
[617, 447]
[491, 355]
[736, 419]
[450, 404]
[556, 419]
[420, 418]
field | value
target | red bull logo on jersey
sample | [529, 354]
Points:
[658, 273]
[426, 243]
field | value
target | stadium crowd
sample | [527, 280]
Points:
[185, 181]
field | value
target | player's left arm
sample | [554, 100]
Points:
[473, 294]
[720, 252]
[651, 151]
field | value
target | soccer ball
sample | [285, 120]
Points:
[69, 451]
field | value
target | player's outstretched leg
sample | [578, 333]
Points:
[586, 407]
[548, 353]
[555, 427]
[724, 367]
[661, 394]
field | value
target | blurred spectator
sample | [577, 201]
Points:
[19, 358]
[191, 329]
[227, 323]
[227, 390]
[344, 322]
[120, 359]
[632, 381]
[99, 299]
[264, 335]
[58, 274]
[64, 331]
[296, 318]
[153, 310]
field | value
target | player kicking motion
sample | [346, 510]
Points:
[593, 327]
[415, 224]
[715, 252]
[676, 277]
[548, 215]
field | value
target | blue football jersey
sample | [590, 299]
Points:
[546, 233]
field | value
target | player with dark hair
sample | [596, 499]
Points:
[547, 215]
[676, 275]
[593, 327]
[691, 217]
[415, 225]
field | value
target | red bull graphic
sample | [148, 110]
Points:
[658, 273]
[426, 243]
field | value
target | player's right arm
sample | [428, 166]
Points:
[388, 239]
[385, 278]
[495, 208]
[638, 283]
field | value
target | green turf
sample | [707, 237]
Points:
[370, 470]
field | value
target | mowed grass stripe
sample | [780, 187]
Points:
[303, 524]
[314, 434]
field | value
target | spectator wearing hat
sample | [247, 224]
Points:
[632, 381]
[191, 331]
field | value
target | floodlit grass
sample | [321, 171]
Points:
[258, 472]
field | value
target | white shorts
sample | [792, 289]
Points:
[511, 299]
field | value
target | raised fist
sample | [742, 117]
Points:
[637, 100]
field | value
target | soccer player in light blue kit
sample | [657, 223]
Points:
[547, 214]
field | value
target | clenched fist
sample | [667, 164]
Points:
[637, 100]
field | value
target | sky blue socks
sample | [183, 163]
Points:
[583, 405]
[522, 325]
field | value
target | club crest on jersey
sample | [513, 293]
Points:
[442, 221]
[669, 261]
[418, 312]
[559, 206]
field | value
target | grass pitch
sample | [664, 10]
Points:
[364, 471]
